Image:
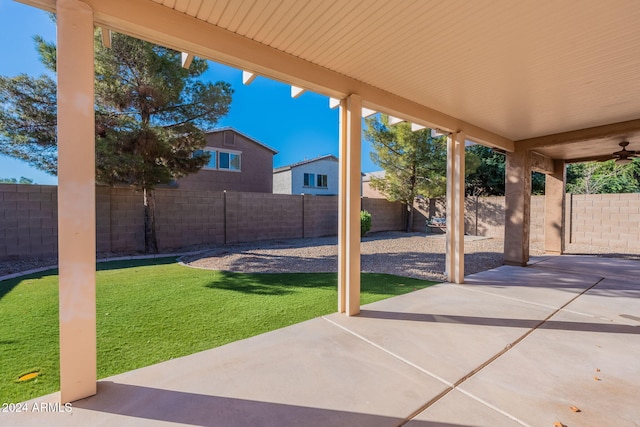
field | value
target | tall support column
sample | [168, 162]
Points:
[342, 209]
[349, 206]
[76, 200]
[554, 206]
[517, 215]
[455, 208]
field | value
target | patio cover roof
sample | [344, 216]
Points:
[497, 70]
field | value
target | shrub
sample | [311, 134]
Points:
[365, 222]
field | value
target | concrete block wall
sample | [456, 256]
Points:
[103, 219]
[28, 220]
[262, 216]
[320, 216]
[126, 221]
[611, 220]
[608, 220]
[425, 209]
[186, 218]
[385, 215]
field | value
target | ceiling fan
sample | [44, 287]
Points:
[624, 156]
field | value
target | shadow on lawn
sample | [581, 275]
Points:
[289, 283]
[7, 285]
[272, 283]
[129, 263]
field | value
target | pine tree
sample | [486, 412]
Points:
[414, 162]
[149, 116]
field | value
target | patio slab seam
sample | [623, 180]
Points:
[504, 351]
[451, 386]
[455, 386]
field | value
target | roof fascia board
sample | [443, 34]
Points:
[162, 25]
[48, 5]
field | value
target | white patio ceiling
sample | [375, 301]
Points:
[499, 70]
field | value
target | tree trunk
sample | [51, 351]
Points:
[150, 242]
[409, 218]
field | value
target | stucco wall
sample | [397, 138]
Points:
[368, 191]
[282, 182]
[325, 167]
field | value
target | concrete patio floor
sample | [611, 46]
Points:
[513, 346]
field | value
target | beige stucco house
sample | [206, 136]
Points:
[367, 189]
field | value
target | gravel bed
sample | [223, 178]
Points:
[403, 254]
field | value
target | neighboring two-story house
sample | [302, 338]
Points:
[238, 163]
[317, 176]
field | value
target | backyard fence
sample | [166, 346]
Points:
[28, 218]
[184, 218]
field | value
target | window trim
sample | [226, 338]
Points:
[326, 180]
[214, 156]
[230, 152]
[312, 180]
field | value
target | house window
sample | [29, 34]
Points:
[313, 180]
[309, 179]
[229, 161]
[212, 160]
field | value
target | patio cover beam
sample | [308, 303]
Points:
[581, 135]
[541, 163]
[159, 24]
[76, 201]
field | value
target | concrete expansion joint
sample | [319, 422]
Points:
[450, 386]
[456, 385]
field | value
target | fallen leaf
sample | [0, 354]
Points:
[596, 378]
[558, 424]
[575, 409]
[597, 369]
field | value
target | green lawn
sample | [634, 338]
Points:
[149, 311]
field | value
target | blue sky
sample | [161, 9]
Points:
[299, 129]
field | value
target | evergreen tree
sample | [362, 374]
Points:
[489, 177]
[149, 116]
[414, 162]
[603, 177]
